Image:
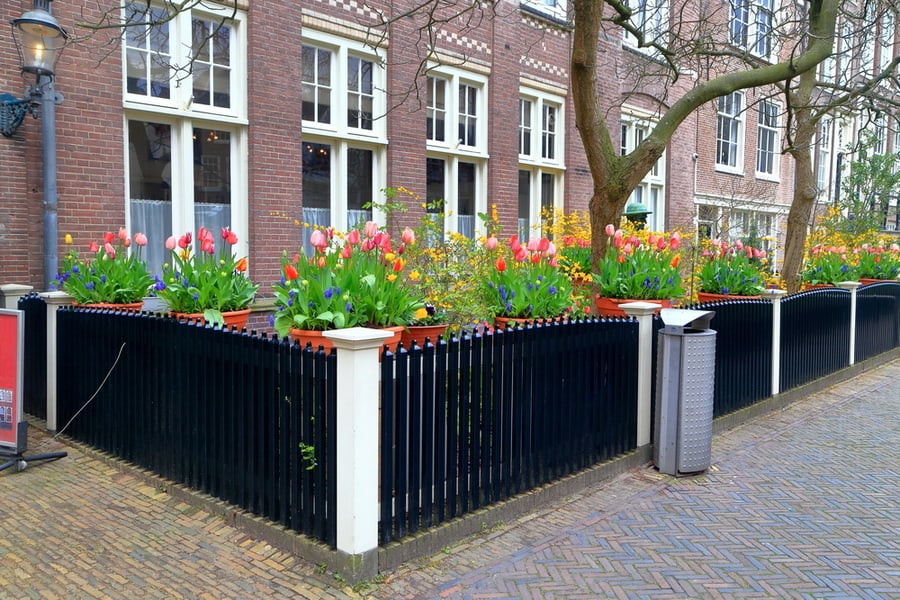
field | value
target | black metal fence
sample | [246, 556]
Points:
[222, 412]
[815, 335]
[476, 420]
[34, 380]
[743, 353]
[877, 321]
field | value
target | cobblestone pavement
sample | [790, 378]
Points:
[803, 503]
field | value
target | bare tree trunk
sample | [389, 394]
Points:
[799, 216]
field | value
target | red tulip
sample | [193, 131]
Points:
[185, 240]
[208, 246]
[676, 260]
[347, 251]
[108, 237]
[241, 265]
[514, 243]
[290, 273]
[521, 254]
[500, 264]
[398, 265]
[229, 236]
[543, 244]
[126, 242]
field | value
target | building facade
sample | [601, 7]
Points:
[268, 115]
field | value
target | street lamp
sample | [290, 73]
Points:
[39, 41]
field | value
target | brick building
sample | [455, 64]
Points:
[303, 112]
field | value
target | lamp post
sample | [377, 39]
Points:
[39, 41]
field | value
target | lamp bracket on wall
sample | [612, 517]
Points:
[13, 110]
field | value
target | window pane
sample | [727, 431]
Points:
[316, 88]
[212, 178]
[524, 127]
[436, 177]
[524, 203]
[466, 199]
[360, 181]
[436, 111]
[316, 175]
[150, 186]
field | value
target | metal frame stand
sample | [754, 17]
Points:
[20, 461]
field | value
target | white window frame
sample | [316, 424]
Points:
[555, 9]
[886, 39]
[455, 150]
[183, 115]
[733, 117]
[651, 18]
[747, 28]
[538, 161]
[635, 126]
[771, 133]
[339, 133]
[823, 156]
[181, 89]
[741, 221]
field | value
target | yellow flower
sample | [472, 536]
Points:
[389, 257]
[421, 313]
[414, 275]
[392, 277]
[68, 238]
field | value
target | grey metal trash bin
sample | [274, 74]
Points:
[685, 379]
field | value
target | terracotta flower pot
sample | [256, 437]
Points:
[313, 337]
[120, 307]
[870, 280]
[816, 286]
[704, 297]
[609, 307]
[420, 332]
[234, 318]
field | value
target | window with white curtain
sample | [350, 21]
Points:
[823, 155]
[541, 161]
[344, 139]
[456, 140]
[184, 125]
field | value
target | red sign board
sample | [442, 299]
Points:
[11, 344]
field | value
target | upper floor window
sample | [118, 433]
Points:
[542, 113]
[887, 40]
[651, 18]
[193, 58]
[767, 139]
[540, 164]
[751, 26]
[730, 131]
[555, 9]
[823, 166]
[456, 103]
[339, 86]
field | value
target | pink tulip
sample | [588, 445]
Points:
[122, 233]
[347, 251]
[675, 242]
[140, 239]
[185, 240]
[353, 237]
[739, 245]
[170, 242]
[661, 244]
[533, 245]
[543, 244]
[94, 247]
[408, 236]
[110, 251]
[514, 243]
[610, 230]
[205, 235]
[490, 243]
[370, 229]
[229, 236]
[208, 246]
[127, 242]
[521, 254]
[628, 249]
[551, 249]
[651, 240]
[317, 240]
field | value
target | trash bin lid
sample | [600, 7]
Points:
[683, 317]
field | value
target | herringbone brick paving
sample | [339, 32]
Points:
[799, 504]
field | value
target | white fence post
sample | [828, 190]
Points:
[853, 286]
[11, 292]
[643, 311]
[53, 300]
[357, 433]
[775, 296]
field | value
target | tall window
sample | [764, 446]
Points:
[730, 131]
[540, 165]
[886, 40]
[767, 140]
[823, 158]
[651, 192]
[867, 40]
[752, 227]
[184, 130]
[651, 18]
[457, 147]
[343, 140]
[751, 26]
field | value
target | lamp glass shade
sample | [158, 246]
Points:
[40, 40]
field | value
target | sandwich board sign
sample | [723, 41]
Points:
[13, 426]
